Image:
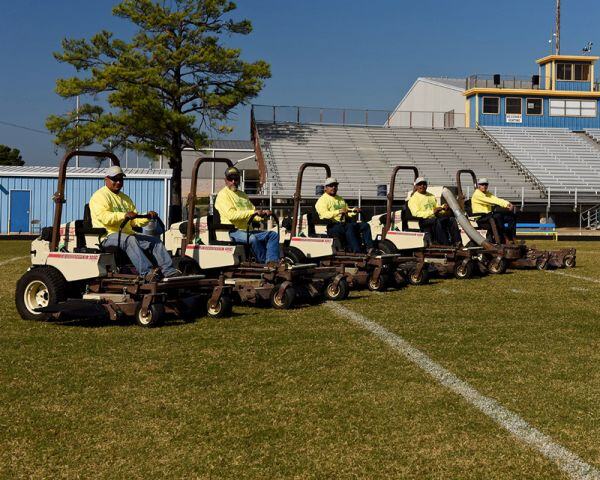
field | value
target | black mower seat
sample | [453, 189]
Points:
[214, 224]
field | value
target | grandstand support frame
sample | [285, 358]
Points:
[524, 170]
[260, 159]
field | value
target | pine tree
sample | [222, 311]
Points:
[163, 90]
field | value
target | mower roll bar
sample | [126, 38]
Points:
[297, 193]
[59, 196]
[189, 237]
[390, 195]
[460, 194]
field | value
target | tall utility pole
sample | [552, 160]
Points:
[557, 28]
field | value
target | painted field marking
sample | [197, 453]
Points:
[580, 289]
[566, 460]
[579, 277]
[14, 259]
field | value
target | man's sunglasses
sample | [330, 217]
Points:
[116, 179]
[232, 177]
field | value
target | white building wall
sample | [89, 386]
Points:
[425, 103]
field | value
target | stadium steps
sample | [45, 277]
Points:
[563, 161]
[363, 157]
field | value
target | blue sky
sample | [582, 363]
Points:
[334, 53]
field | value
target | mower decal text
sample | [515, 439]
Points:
[210, 247]
[409, 234]
[304, 239]
[74, 256]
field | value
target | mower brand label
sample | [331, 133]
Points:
[211, 248]
[319, 240]
[406, 234]
[75, 256]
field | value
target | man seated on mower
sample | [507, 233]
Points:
[487, 206]
[236, 209]
[436, 220]
[109, 206]
[332, 208]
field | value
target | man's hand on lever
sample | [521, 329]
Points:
[152, 214]
[131, 215]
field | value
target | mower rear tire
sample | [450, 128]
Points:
[294, 256]
[153, 318]
[386, 246]
[37, 288]
[186, 265]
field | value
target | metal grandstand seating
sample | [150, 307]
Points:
[362, 157]
[561, 160]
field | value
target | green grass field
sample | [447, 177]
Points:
[305, 393]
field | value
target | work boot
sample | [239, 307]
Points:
[174, 273]
[153, 275]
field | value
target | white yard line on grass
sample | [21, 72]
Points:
[579, 277]
[566, 460]
[14, 259]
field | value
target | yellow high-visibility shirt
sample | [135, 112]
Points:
[422, 205]
[328, 207]
[483, 202]
[108, 210]
[235, 208]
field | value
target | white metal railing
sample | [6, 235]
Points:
[590, 218]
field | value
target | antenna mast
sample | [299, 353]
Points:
[557, 29]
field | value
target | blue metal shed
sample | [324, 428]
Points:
[26, 194]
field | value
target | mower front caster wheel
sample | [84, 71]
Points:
[152, 318]
[378, 285]
[221, 309]
[338, 292]
[569, 261]
[464, 270]
[498, 265]
[283, 301]
[541, 263]
[421, 278]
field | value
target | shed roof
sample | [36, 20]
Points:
[44, 171]
[233, 144]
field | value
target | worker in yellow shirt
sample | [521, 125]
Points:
[488, 206]
[433, 219]
[236, 209]
[333, 208]
[109, 206]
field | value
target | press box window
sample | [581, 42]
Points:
[491, 105]
[513, 106]
[579, 72]
[534, 106]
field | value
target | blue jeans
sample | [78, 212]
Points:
[134, 246]
[264, 244]
[351, 233]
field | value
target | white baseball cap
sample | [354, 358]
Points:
[420, 180]
[482, 180]
[330, 181]
[114, 171]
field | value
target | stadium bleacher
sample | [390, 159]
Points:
[363, 157]
[560, 159]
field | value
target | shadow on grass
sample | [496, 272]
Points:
[130, 322]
